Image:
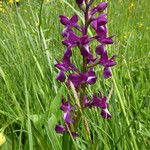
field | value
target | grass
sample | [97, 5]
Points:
[30, 41]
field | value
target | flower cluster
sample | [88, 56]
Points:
[93, 18]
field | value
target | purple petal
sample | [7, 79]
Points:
[107, 40]
[101, 20]
[103, 103]
[84, 40]
[107, 72]
[67, 117]
[104, 58]
[105, 114]
[100, 49]
[65, 106]
[86, 102]
[91, 77]
[99, 8]
[73, 38]
[85, 51]
[64, 20]
[66, 31]
[61, 76]
[99, 102]
[75, 79]
[60, 66]
[60, 128]
[111, 63]
[75, 134]
[67, 55]
[101, 32]
[94, 24]
[74, 19]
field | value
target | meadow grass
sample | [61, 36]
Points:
[30, 97]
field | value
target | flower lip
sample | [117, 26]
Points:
[61, 76]
[105, 114]
[60, 128]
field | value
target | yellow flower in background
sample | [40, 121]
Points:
[141, 25]
[2, 139]
[10, 1]
[1, 7]
[132, 6]
[126, 35]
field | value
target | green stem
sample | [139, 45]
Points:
[84, 67]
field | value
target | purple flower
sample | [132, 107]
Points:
[69, 22]
[87, 103]
[78, 79]
[85, 75]
[105, 114]
[60, 128]
[99, 102]
[61, 76]
[99, 8]
[73, 40]
[100, 49]
[75, 134]
[107, 63]
[100, 21]
[91, 77]
[67, 108]
[107, 40]
[107, 72]
[66, 65]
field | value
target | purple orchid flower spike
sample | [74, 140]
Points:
[78, 80]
